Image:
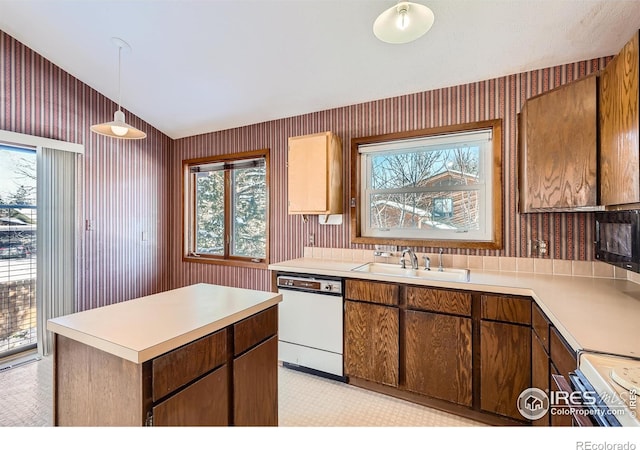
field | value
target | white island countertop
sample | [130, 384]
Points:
[594, 314]
[141, 329]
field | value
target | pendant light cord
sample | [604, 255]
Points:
[119, 64]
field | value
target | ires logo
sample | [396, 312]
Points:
[534, 403]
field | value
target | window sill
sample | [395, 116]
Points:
[226, 262]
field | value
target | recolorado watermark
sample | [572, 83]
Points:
[591, 445]
[534, 403]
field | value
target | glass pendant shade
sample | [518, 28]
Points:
[402, 23]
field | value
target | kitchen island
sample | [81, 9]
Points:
[197, 355]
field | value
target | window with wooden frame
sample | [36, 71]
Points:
[439, 187]
[226, 209]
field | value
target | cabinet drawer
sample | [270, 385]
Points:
[439, 300]
[540, 325]
[255, 329]
[204, 403]
[182, 365]
[506, 309]
[372, 292]
[561, 355]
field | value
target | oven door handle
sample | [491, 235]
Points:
[581, 420]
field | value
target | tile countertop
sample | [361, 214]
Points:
[595, 314]
[141, 329]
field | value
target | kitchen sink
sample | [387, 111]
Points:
[395, 270]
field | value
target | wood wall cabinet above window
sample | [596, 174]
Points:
[620, 128]
[315, 174]
[558, 148]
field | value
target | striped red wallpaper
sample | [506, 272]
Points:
[569, 234]
[131, 187]
[123, 183]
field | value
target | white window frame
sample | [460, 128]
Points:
[494, 219]
[479, 138]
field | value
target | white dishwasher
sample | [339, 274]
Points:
[310, 324]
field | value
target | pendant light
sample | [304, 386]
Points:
[403, 23]
[118, 128]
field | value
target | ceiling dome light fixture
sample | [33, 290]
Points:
[403, 23]
[118, 128]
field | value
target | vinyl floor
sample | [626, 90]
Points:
[304, 401]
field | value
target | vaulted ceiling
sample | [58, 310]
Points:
[202, 66]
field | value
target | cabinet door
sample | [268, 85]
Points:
[371, 347]
[204, 403]
[559, 420]
[505, 366]
[315, 174]
[438, 356]
[558, 153]
[255, 386]
[619, 128]
[539, 372]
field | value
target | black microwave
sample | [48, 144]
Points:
[618, 238]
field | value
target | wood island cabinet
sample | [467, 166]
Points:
[558, 143]
[371, 341]
[620, 128]
[228, 377]
[314, 168]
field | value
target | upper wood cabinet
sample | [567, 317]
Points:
[619, 128]
[558, 148]
[315, 174]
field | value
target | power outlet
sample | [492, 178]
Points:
[312, 239]
[537, 247]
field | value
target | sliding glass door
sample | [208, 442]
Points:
[18, 221]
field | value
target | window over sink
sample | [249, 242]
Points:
[433, 187]
[226, 207]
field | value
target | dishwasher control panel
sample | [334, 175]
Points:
[311, 284]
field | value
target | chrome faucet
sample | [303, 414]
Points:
[414, 258]
[440, 266]
[427, 263]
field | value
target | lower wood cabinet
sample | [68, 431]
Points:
[559, 420]
[255, 381]
[470, 353]
[204, 403]
[371, 342]
[539, 372]
[438, 356]
[505, 363]
[550, 355]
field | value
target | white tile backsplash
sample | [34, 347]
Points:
[603, 270]
[507, 264]
[504, 264]
[562, 267]
[524, 265]
[491, 263]
[543, 266]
